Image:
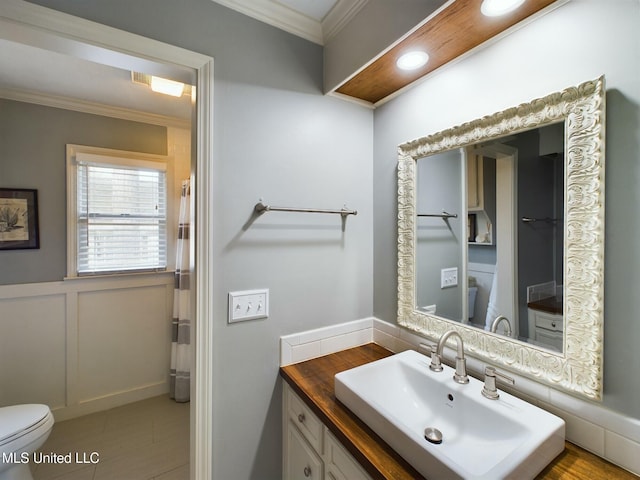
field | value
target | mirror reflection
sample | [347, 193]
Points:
[566, 354]
[489, 235]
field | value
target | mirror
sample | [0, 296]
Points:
[510, 195]
[446, 233]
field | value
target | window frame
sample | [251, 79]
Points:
[113, 157]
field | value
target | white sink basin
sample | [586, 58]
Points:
[398, 397]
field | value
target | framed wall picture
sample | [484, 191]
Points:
[18, 219]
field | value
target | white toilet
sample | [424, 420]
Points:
[23, 429]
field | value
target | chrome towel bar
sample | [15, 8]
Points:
[444, 215]
[533, 220]
[261, 208]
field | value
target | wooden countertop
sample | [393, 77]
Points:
[313, 382]
[548, 304]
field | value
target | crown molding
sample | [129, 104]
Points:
[279, 16]
[339, 16]
[289, 20]
[94, 108]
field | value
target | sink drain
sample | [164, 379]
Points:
[433, 435]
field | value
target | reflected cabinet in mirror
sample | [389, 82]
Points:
[501, 237]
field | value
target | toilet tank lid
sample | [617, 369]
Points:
[16, 418]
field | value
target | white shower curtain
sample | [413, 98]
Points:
[180, 374]
[492, 307]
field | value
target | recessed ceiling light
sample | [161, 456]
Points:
[495, 8]
[412, 60]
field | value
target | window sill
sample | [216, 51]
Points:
[123, 275]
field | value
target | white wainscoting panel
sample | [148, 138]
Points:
[124, 340]
[85, 345]
[32, 350]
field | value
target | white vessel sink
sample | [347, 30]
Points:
[398, 397]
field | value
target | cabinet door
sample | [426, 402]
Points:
[548, 337]
[302, 463]
[339, 463]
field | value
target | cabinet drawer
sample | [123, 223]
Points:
[549, 321]
[302, 416]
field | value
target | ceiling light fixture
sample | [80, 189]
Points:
[163, 85]
[168, 87]
[412, 60]
[495, 8]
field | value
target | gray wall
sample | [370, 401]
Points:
[581, 40]
[439, 243]
[277, 137]
[33, 140]
[536, 190]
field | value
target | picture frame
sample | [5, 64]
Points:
[19, 219]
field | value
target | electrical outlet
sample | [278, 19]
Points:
[449, 277]
[248, 305]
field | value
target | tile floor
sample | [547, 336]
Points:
[146, 440]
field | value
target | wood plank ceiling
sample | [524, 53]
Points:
[452, 32]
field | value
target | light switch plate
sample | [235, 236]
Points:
[449, 277]
[248, 305]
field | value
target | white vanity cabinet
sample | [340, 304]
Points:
[546, 328]
[310, 451]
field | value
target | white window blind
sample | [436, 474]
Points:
[121, 215]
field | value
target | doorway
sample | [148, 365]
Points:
[500, 162]
[39, 27]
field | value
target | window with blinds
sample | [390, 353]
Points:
[121, 219]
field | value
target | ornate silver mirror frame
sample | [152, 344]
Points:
[578, 369]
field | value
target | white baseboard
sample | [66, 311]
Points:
[107, 402]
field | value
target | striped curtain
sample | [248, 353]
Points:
[181, 323]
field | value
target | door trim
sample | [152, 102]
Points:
[55, 31]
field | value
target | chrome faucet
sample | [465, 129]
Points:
[489, 390]
[461, 363]
[496, 322]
